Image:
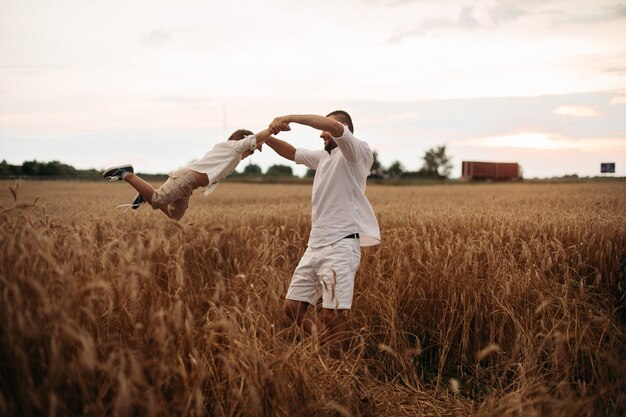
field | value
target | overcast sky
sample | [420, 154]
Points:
[157, 83]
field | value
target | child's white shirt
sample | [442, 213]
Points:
[221, 161]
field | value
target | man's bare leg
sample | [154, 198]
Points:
[335, 337]
[332, 328]
[298, 311]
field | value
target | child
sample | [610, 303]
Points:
[173, 196]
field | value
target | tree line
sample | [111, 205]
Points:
[44, 169]
[436, 164]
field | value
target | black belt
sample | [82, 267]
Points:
[352, 236]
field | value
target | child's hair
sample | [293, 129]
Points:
[240, 134]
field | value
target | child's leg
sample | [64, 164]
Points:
[143, 188]
[141, 185]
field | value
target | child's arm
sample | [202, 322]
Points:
[262, 136]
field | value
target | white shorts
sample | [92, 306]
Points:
[327, 272]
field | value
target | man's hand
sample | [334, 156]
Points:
[280, 124]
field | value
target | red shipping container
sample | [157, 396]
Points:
[494, 171]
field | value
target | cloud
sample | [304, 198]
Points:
[393, 3]
[608, 14]
[182, 100]
[577, 111]
[411, 115]
[157, 37]
[615, 70]
[31, 69]
[548, 141]
[507, 11]
[466, 21]
[400, 2]
[620, 98]
[525, 140]
[504, 12]
[466, 18]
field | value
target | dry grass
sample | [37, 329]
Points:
[488, 300]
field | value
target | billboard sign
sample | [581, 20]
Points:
[607, 167]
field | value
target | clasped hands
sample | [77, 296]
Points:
[279, 124]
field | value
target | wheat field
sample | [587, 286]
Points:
[483, 300]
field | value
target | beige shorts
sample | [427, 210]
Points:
[174, 194]
[327, 272]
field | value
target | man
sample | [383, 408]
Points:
[342, 221]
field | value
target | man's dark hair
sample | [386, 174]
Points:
[343, 117]
[240, 134]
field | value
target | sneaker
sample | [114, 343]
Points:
[116, 173]
[138, 201]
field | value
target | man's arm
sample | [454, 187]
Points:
[282, 148]
[328, 124]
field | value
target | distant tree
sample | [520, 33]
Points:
[56, 168]
[395, 170]
[68, 169]
[252, 170]
[89, 172]
[30, 167]
[437, 163]
[309, 173]
[279, 171]
[376, 171]
[47, 169]
[376, 164]
[5, 168]
[52, 168]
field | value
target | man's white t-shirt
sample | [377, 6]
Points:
[339, 205]
[221, 161]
